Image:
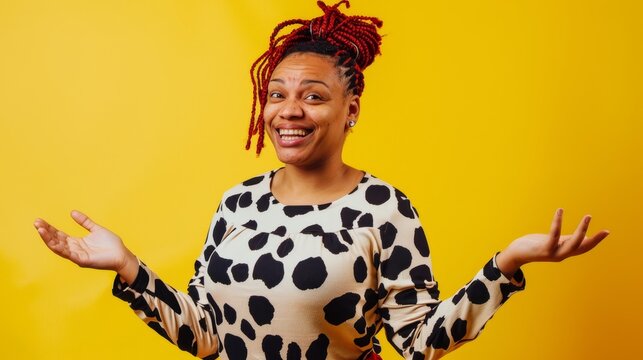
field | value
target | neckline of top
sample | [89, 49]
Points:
[365, 177]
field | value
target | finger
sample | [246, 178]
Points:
[54, 241]
[83, 220]
[589, 243]
[569, 246]
[47, 231]
[554, 231]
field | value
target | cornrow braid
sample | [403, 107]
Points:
[352, 40]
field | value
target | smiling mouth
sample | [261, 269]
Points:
[293, 134]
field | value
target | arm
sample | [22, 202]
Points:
[185, 320]
[417, 323]
[429, 328]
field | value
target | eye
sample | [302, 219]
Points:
[275, 95]
[313, 97]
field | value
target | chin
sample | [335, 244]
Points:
[298, 159]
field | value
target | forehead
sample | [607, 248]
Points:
[298, 66]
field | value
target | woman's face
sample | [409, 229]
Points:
[307, 112]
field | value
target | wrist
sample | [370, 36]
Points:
[129, 269]
[507, 263]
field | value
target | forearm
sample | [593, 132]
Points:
[185, 321]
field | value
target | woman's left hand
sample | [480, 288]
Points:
[550, 247]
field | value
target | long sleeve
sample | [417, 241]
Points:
[185, 319]
[417, 323]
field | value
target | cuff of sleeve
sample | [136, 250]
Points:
[128, 292]
[507, 286]
[518, 279]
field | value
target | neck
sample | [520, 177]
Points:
[298, 186]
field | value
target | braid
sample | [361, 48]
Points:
[352, 40]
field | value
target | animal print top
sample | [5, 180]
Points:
[317, 282]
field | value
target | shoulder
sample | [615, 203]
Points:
[381, 194]
[246, 191]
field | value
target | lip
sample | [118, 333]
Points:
[291, 143]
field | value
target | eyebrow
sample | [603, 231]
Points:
[304, 82]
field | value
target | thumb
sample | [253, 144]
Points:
[83, 220]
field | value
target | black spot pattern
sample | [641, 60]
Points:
[271, 346]
[268, 270]
[349, 216]
[377, 194]
[248, 330]
[360, 325]
[285, 248]
[366, 220]
[235, 347]
[280, 231]
[219, 230]
[206, 254]
[245, 199]
[309, 273]
[218, 315]
[477, 292]
[388, 232]
[324, 206]
[185, 340]
[261, 310]
[314, 229]
[458, 329]
[346, 237]
[294, 352]
[366, 339]
[264, 203]
[458, 296]
[370, 297]
[258, 241]
[229, 313]
[218, 269]
[254, 181]
[294, 210]
[251, 224]
[420, 242]
[167, 296]
[490, 272]
[332, 243]
[404, 205]
[420, 275]
[399, 261]
[240, 272]
[318, 349]
[231, 202]
[407, 297]
[359, 269]
[341, 308]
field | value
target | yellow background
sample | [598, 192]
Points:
[488, 114]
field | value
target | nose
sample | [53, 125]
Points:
[291, 109]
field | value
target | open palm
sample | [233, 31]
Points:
[100, 249]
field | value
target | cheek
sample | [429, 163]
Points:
[268, 114]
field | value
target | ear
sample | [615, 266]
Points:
[353, 109]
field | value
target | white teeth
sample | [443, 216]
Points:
[295, 132]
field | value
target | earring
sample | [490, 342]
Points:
[351, 123]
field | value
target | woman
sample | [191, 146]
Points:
[313, 259]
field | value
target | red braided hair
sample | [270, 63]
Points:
[352, 40]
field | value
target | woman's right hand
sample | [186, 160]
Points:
[100, 249]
